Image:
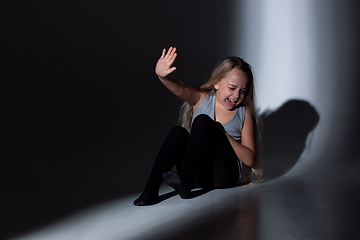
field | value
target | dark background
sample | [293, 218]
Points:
[82, 111]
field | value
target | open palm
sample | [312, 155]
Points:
[163, 65]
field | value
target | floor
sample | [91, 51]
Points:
[306, 206]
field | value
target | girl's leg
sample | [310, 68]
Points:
[208, 153]
[225, 168]
[171, 152]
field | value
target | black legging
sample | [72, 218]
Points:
[204, 157]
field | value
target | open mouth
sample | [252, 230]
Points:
[231, 101]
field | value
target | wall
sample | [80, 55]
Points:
[305, 56]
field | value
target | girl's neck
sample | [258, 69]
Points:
[222, 114]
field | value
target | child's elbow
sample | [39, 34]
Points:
[249, 161]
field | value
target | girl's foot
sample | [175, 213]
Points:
[174, 180]
[145, 200]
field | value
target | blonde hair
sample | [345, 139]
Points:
[251, 174]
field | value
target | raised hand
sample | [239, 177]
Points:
[163, 65]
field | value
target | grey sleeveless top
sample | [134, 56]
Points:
[233, 127]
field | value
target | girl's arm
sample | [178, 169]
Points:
[164, 68]
[245, 150]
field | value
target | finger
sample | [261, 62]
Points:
[174, 57]
[168, 53]
[172, 54]
[171, 69]
[163, 53]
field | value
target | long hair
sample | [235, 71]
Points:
[250, 174]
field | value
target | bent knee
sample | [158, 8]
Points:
[202, 119]
[178, 132]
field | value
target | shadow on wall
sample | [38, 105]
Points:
[283, 136]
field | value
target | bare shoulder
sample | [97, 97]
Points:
[248, 114]
[202, 96]
[249, 119]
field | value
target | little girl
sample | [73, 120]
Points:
[216, 144]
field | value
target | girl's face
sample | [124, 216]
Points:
[232, 89]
